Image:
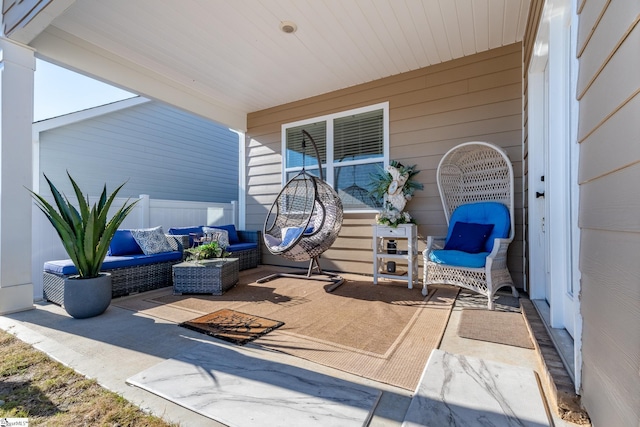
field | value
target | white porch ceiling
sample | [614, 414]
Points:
[233, 53]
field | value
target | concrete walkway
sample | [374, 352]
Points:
[121, 343]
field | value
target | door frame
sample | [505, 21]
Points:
[554, 49]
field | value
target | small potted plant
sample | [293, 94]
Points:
[85, 234]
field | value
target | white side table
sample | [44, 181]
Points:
[383, 233]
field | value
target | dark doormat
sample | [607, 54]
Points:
[495, 326]
[233, 326]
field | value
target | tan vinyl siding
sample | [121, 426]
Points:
[478, 97]
[609, 173]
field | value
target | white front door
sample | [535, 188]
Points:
[552, 174]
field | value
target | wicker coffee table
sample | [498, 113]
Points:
[211, 276]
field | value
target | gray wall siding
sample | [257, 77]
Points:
[609, 136]
[159, 150]
[17, 14]
[476, 98]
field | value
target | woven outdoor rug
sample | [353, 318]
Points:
[500, 327]
[233, 326]
[383, 332]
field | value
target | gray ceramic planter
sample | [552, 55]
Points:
[85, 298]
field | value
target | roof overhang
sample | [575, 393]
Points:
[222, 60]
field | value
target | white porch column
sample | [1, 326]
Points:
[17, 65]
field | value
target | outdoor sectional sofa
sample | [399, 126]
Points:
[243, 244]
[131, 270]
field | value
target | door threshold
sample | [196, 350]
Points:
[562, 341]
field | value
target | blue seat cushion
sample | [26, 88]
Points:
[233, 233]
[123, 243]
[66, 267]
[483, 213]
[468, 237]
[241, 247]
[459, 258]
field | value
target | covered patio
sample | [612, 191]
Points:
[441, 74]
[444, 74]
[135, 340]
[552, 82]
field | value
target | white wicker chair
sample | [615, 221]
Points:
[469, 173]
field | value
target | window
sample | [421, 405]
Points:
[352, 145]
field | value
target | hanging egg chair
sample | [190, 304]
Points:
[304, 221]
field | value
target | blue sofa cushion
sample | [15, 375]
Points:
[484, 213]
[123, 243]
[241, 247]
[66, 267]
[184, 231]
[459, 258]
[233, 233]
[468, 237]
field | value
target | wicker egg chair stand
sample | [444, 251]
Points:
[303, 222]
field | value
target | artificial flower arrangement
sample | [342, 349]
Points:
[206, 251]
[395, 187]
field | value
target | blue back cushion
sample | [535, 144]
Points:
[483, 213]
[231, 229]
[123, 243]
[183, 231]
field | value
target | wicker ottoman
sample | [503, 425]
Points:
[212, 276]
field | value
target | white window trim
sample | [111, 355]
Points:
[329, 166]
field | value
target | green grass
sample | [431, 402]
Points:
[48, 393]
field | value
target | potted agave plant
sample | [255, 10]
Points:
[85, 234]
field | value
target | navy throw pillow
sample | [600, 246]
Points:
[468, 237]
[123, 243]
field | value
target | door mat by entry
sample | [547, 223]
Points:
[233, 326]
[495, 326]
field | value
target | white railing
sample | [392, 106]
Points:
[147, 213]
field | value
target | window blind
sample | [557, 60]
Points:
[294, 145]
[359, 136]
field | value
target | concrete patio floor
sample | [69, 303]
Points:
[121, 343]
